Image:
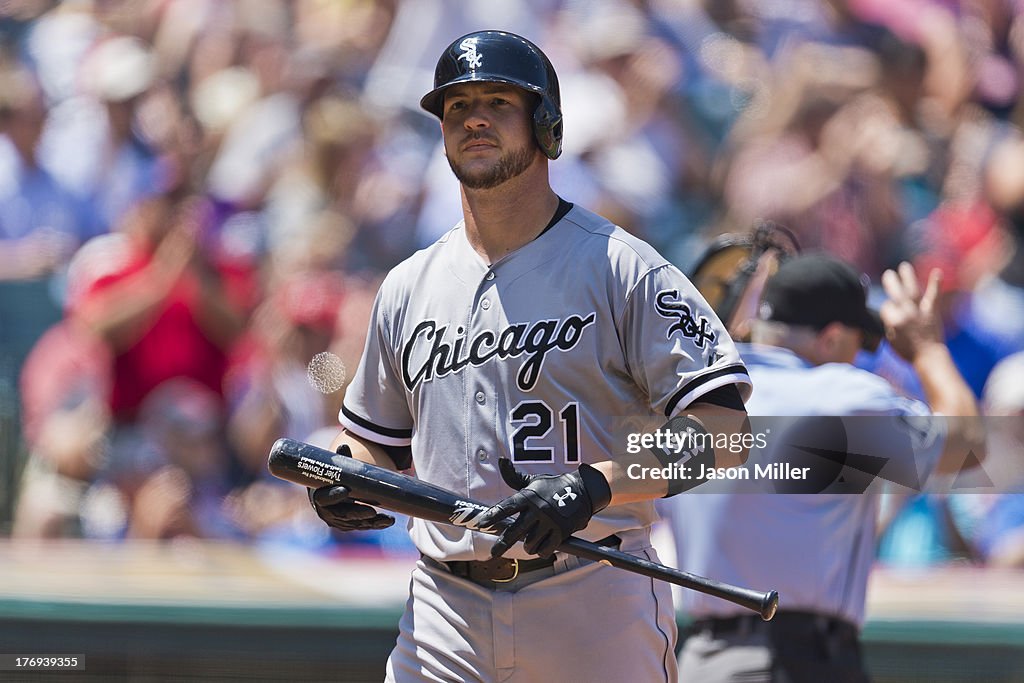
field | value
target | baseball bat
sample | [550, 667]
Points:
[308, 465]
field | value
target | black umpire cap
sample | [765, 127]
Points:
[816, 289]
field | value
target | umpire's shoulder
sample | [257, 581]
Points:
[856, 391]
[628, 256]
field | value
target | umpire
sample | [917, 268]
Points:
[816, 548]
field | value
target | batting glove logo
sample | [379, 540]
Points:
[562, 497]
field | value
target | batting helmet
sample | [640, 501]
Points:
[500, 57]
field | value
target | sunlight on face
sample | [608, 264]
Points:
[487, 133]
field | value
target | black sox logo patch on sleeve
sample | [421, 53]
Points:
[428, 354]
[698, 328]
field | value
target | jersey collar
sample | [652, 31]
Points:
[467, 265]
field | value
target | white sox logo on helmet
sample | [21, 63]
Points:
[474, 60]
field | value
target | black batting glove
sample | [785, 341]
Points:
[334, 507]
[550, 507]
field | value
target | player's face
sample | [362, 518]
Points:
[487, 135]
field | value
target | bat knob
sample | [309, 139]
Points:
[769, 605]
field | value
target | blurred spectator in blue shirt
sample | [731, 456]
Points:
[994, 522]
[39, 230]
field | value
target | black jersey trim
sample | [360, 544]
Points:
[735, 369]
[383, 431]
[727, 396]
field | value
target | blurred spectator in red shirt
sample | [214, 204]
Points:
[963, 239]
[157, 302]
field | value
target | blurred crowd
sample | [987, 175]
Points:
[198, 196]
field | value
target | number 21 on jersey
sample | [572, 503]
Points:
[532, 421]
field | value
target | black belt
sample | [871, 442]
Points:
[500, 570]
[804, 646]
[789, 621]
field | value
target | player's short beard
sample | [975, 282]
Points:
[509, 165]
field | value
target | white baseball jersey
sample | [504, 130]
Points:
[537, 357]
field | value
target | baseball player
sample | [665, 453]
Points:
[499, 361]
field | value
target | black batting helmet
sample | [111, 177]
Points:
[500, 57]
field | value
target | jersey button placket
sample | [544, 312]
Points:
[483, 416]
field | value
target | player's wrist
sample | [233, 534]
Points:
[597, 487]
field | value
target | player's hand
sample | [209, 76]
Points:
[332, 505]
[550, 507]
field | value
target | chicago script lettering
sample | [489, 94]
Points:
[443, 358]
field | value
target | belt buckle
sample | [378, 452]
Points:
[515, 573]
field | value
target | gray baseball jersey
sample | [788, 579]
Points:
[532, 358]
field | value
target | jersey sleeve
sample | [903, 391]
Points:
[675, 346]
[375, 406]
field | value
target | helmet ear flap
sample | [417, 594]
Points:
[547, 127]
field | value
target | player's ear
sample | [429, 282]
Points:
[834, 342]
